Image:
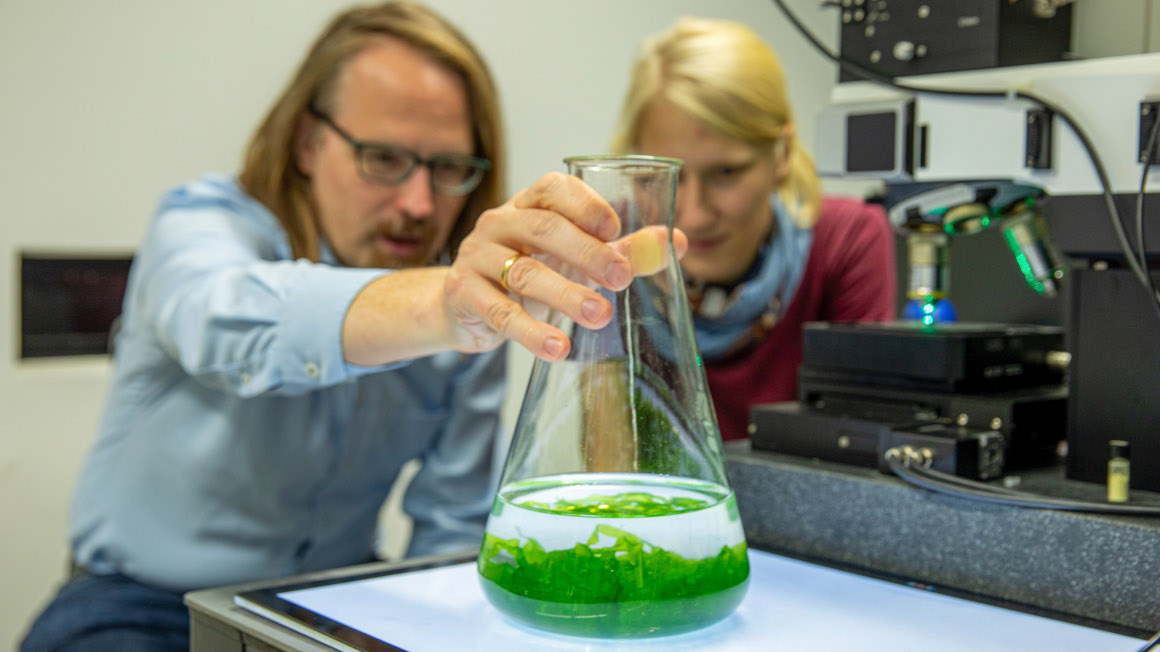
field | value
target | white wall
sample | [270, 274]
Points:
[1105, 28]
[105, 105]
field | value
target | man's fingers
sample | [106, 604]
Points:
[647, 250]
[530, 278]
[569, 196]
[485, 312]
[680, 243]
[539, 231]
[546, 248]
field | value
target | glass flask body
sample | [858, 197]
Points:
[614, 517]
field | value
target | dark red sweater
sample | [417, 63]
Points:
[850, 276]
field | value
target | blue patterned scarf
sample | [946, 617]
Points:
[726, 320]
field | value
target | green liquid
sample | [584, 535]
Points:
[598, 566]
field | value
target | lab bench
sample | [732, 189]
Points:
[1095, 566]
[1086, 568]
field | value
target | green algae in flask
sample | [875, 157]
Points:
[614, 517]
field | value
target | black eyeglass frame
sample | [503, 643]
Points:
[479, 166]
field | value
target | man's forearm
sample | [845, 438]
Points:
[396, 317]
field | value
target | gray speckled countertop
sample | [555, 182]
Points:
[1092, 566]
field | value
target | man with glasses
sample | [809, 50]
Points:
[295, 334]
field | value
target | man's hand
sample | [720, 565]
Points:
[559, 235]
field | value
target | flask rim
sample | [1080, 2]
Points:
[633, 159]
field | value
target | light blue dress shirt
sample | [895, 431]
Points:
[236, 443]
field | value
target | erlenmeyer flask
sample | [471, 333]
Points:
[614, 516]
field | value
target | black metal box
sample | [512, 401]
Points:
[1115, 376]
[955, 357]
[916, 37]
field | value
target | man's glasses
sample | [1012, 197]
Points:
[390, 165]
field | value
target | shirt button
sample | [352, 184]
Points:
[246, 378]
[311, 369]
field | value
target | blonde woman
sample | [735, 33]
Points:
[767, 252]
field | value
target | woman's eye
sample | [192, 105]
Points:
[725, 173]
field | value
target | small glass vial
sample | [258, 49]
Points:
[1119, 471]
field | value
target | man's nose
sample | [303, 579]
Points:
[416, 198]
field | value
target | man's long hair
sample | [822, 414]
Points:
[269, 172]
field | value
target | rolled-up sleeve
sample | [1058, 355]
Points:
[217, 298]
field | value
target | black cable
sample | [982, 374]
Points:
[957, 481]
[1141, 249]
[938, 482]
[874, 76]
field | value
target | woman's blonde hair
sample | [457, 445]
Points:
[269, 172]
[722, 74]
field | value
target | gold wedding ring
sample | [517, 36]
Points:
[507, 265]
